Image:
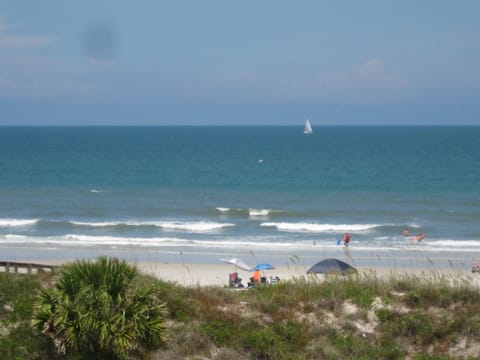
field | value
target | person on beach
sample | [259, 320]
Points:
[346, 239]
[406, 232]
[475, 267]
[256, 277]
[235, 281]
[419, 237]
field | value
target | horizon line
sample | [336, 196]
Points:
[237, 125]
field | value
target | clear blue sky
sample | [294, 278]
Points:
[269, 62]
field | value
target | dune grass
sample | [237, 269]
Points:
[17, 338]
[361, 316]
[431, 316]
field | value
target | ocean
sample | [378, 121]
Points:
[195, 194]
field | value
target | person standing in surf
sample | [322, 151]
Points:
[346, 239]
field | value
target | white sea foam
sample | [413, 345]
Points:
[117, 241]
[467, 244]
[98, 224]
[95, 191]
[316, 227]
[192, 226]
[77, 240]
[258, 212]
[88, 240]
[225, 210]
[17, 222]
[251, 212]
[246, 243]
[13, 238]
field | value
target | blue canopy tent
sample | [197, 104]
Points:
[331, 266]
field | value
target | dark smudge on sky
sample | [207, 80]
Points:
[100, 40]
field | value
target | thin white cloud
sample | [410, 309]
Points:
[4, 26]
[41, 77]
[19, 41]
[12, 39]
[367, 82]
[369, 75]
[100, 63]
[28, 74]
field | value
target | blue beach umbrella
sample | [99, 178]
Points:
[262, 267]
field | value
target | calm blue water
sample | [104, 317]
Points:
[238, 189]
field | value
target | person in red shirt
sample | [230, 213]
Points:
[346, 239]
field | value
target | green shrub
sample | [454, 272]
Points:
[95, 310]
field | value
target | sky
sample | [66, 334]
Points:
[269, 62]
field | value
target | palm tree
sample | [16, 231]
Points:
[96, 308]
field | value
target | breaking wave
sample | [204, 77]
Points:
[192, 226]
[317, 227]
[250, 212]
[17, 222]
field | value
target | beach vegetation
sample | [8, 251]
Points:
[17, 338]
[97, 309]
[350, 317]
[361, 316]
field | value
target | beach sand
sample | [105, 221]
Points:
[211, 274]
[218, 274]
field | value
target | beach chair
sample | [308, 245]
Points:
[274, 280]
[233, 280]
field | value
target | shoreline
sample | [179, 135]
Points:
[387, 258]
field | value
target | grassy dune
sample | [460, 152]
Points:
[362, 316]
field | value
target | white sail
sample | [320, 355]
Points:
[308, 127]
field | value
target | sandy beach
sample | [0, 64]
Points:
[218, 274]
[205, 269]
[211, 274]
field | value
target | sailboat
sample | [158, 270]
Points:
[308, 127]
